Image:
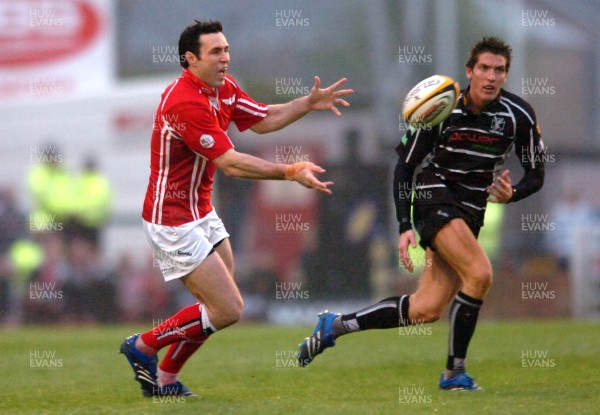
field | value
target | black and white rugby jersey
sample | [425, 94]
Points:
[461, 155]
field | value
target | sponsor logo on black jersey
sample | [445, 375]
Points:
[472, 137]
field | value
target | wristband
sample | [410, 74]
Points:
[292, 170]
[405, 226]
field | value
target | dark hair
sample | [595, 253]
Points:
[494, 45]
[190, 38]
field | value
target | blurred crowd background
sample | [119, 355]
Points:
[80, 83]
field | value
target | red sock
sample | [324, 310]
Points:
[178, 354]
[185, 325]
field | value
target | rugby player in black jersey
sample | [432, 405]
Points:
[460, 160]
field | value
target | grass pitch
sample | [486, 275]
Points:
[526, 368]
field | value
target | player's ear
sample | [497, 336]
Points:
[469, 72]
[191, 58]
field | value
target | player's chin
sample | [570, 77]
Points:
[219, 79]
[490, 93]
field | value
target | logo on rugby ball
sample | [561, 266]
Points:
[431, 101]
[207, 141]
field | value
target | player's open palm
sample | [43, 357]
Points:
[326, 98]
[304, 173]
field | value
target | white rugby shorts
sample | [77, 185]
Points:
[178, 250]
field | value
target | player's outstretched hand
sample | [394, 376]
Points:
[327, 98]
[406, 238]
[304, 173]
[500, 191]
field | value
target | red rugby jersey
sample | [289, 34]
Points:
[190, 130]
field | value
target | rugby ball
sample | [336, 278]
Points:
[431, 101]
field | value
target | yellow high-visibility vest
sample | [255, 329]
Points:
[94, 199]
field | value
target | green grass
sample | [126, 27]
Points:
[242, 371]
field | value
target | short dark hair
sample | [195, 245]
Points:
[190, 37]
[491, 44]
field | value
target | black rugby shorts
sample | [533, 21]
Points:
[429, 219]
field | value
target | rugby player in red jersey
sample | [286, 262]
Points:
[189, 143]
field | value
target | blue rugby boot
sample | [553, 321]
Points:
[460, 382]
[321, 339]
[143, 366]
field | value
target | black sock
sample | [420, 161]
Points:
[463, 319]
[389, 313]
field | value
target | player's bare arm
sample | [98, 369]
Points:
[319, 99]
[501, 190]
[245, 166]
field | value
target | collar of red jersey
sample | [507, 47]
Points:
[203, 86]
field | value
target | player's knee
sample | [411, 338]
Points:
[233, 312]
[431, 315]
[481, 279]
[425, 313]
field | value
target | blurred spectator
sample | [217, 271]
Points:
[71, 283]
[89, 292]
[138, 287]
[63, 278]
[44, 300]
[52, 187]
[12, 223]
[570, 214]
[94, 202]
